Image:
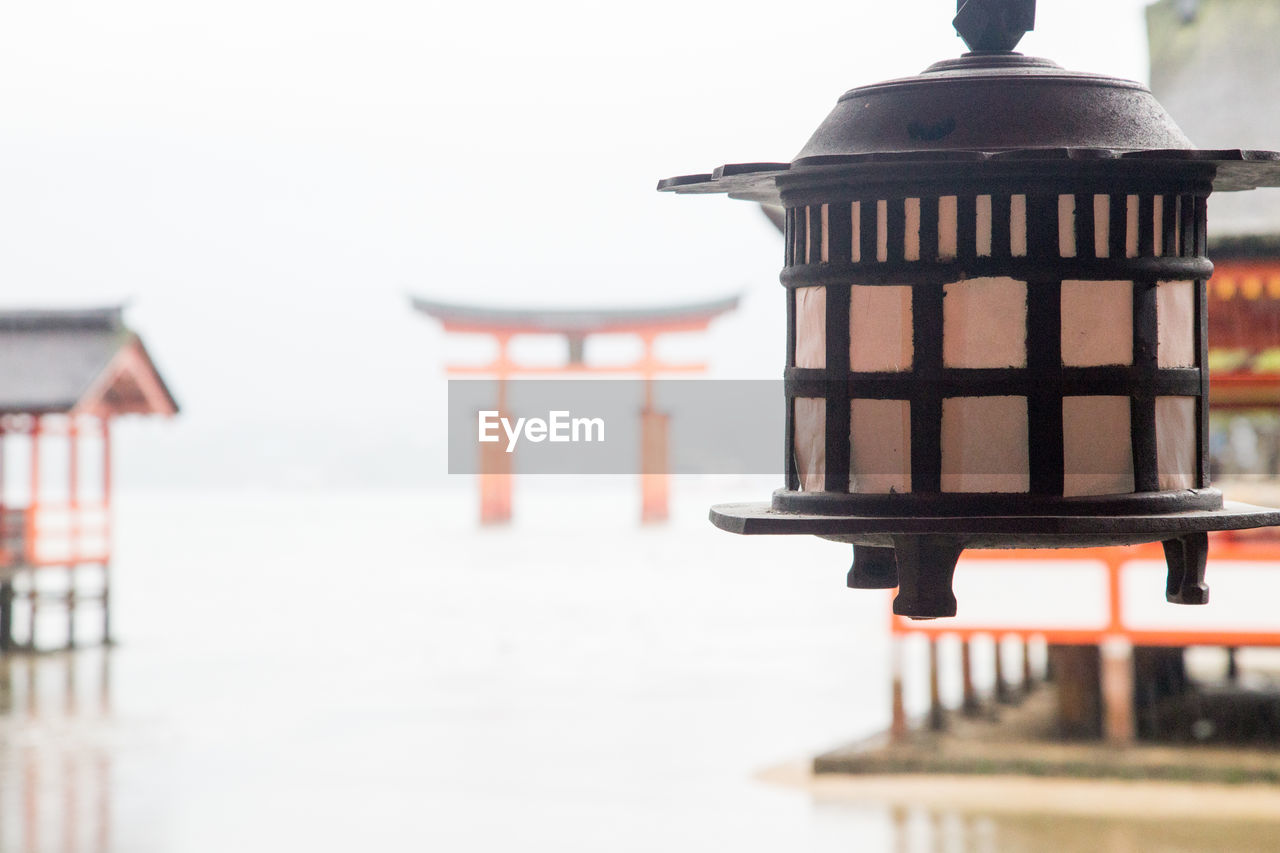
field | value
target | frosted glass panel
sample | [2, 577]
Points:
[983, 213]
[1097, 447]
[880, 337]
[882, 230]
[1102, 226]
[1157, 224]
[984, 444]
[947, 217]
[1097, 323]
[985, 323]
[826, 234]
[811, 442]
[1018, 226]
[1067, 226]
[1131, 227]
[880, 446]
[1175, 323]
[855, 219]
[1176, 447]
[811, 327]
[911, 248]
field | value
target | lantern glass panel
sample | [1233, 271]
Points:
[811, 327]
[982, 212]
[948, 218]
[811, 442]
[880, 446]
[1102, 226]
[1018, 226]
[1097, 323]
[855, 236]
[882, 231]
[985, 323]
[911, 247]
[880, 337]
[1176, 442]
[1097, 449]
[1175, 323]
[1131, 227]
[984, 444]
[1067, 226]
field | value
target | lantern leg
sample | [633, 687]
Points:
[926, 565]
[1186, 557]
[873, 568]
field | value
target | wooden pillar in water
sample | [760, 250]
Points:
[106, 508]
[495, 462]
[898, 726]
[937, 713]
[654, 451]
[1002, 685]
[73, 507]
[1028, 678]
[970, 706]
[654, 486]
[6, 541]
[29, 535]
[1117, 691]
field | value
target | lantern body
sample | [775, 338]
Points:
[996, 320]
[1005, 343]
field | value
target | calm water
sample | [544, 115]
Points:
[372, 672]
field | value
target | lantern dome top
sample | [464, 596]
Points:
[987, 107]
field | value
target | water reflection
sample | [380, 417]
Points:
[55, 769]
[927, 830]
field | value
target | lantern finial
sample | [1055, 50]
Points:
[994, 25]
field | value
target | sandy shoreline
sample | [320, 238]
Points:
[1032, 795]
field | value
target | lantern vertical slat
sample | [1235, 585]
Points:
[838, 414]
[926, 401]
[1146, 475]
[1044, 404]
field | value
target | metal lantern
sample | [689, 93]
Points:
[996, 324]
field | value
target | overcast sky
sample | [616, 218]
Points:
[266, 181]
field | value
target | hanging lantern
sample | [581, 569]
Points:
[996, 320]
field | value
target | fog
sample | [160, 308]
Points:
[266, 182]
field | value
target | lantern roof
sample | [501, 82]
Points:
[990, 106]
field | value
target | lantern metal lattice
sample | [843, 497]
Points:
[996, 319]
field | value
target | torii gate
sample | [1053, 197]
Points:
[575, 325]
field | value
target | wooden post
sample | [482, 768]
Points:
[73, 511]
[898, 726]
[971, 706]
[1233, 666]
[32, 532]
[1117, 691]
[937, 713]
[1028, 678]
[6, 616]
[108, 527]
[1001, 687]
[654, 488]
[654, 452]
[495, 462]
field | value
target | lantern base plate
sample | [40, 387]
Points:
[1004, 531]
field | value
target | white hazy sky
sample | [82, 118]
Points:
[265, 181]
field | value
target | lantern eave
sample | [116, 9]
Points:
[1232, 170]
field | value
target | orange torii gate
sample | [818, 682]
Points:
[575, 326]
